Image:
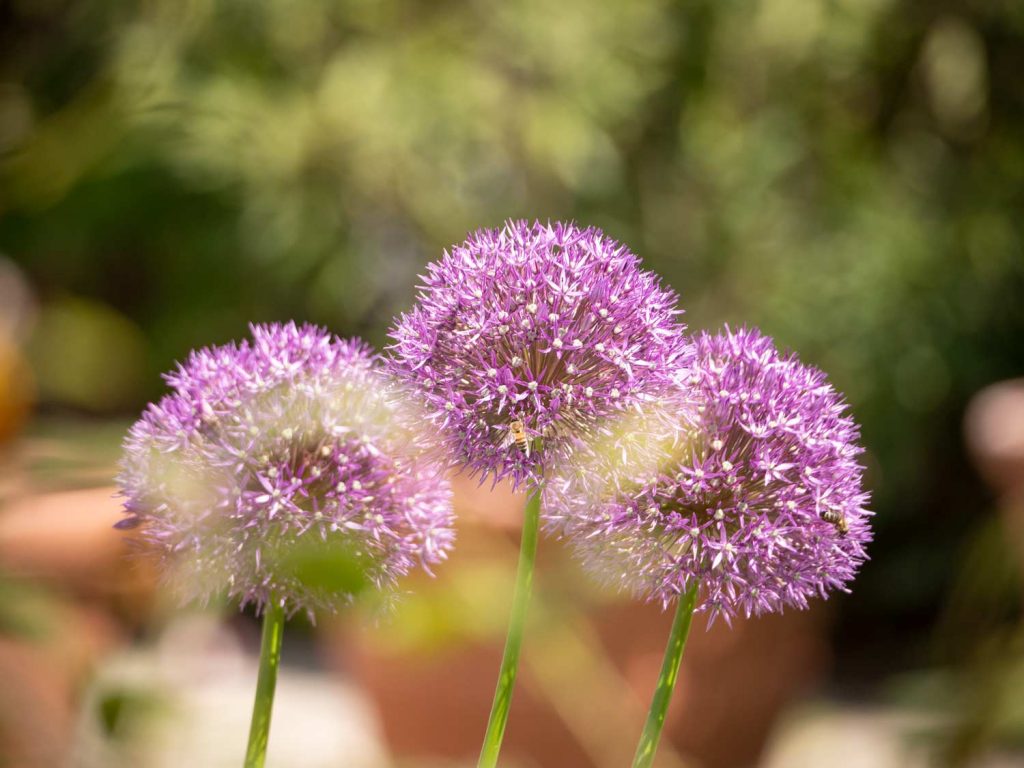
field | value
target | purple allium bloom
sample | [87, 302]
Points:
[756, 495]
[525, 338]
[269, 451]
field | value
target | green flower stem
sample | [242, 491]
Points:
[270, 655]
[514, 640]
[666, 680]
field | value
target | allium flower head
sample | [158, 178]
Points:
[756, 495]
[526, 338]
[274, 451]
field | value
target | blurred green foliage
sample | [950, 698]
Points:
[330, 566]
[849, 175]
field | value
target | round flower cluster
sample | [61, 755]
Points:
[274, 458]
[756, 495]
[525, 339]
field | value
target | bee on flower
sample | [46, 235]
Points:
[524, 340]
[754, 497]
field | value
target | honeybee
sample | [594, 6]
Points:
[517, 436]
[838, 519]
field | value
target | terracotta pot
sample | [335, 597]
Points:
[583, 708]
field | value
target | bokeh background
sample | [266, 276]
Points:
[846, 174]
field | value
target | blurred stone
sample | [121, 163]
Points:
[860, 737]
[188, 701]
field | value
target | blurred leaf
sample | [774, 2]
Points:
[331, 566]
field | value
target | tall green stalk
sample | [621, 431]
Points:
[270, 656]
[666, 680]
[514, 640]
